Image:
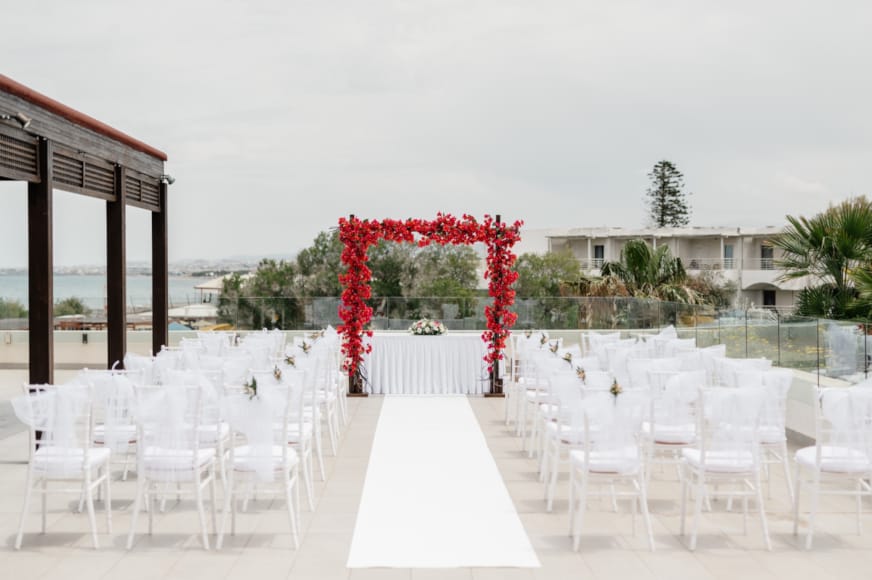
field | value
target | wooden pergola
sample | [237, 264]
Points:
[51, 146]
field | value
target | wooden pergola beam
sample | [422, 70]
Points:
[116, 272]
[40, 263]
[159, 275]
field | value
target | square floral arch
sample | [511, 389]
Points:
[358, 235]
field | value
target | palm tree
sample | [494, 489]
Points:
[646, 272]
[834, 248]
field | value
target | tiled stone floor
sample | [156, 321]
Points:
[261, 550]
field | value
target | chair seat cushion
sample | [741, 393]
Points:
[620, 461]
[677, 434]
[247, 458]
[739, 461]
[65, 461]
[175, 464]
[835, 459]
[120, 433]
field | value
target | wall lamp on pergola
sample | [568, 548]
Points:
[21, 118]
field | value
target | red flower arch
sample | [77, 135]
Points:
[358, 235]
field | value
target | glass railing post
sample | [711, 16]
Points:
[778, 335]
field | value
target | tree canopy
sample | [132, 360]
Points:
[667, 202]
[834, 250]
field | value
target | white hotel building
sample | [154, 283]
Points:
[742, 255]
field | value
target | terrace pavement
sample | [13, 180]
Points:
[262, 547]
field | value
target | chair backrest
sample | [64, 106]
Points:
[729, 423]
[63, 415]
[597, 380]
[675, 402]
[114, 403]
[612, 424]
[844, 425]
[144, 364]
[168, 422]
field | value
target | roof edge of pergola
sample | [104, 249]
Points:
[23, 92]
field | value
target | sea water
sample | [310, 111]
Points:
[91, 289]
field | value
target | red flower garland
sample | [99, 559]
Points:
[358, 235]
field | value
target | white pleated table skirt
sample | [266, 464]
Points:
[419, 365]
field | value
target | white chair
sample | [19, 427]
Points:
[728, 453]
[841, 453]
[64, 416]
[671, 424]
[170, 453]
[262, 422]
[772, 431]
[114, 422]
[610, 456]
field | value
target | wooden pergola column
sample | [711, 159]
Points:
[116, 272]
[159, 274]
[40, 262]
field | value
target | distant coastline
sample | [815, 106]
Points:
[91, 288]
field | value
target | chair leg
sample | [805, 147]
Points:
[815, 496]
[107, 473]
[761, 507]
[27, 495]
[89, 504]
[212, 505]
[798, 481]
[292, 517]
[318, 446]
[306, 461]
[579, 519]
[137, 505]
[699, 492]
[228, 500]
[684, 486]
[785, 463]
[643, 500]
[201, 511]
[44, 500]
[552, 479]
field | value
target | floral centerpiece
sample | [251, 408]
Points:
[554, 347]
[277, 373]
[543, 339]
[579, 372]
[427, 327]
[305, 347]
[291, 360]
[567, 356]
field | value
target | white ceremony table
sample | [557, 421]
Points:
[412, 365]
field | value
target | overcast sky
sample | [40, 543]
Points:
[280, 116]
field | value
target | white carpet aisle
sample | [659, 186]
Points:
[433, 497]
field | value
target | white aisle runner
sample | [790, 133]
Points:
[433, 497]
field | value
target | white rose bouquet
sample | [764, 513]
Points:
[427, 327]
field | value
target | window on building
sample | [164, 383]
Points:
[768, 298]
[729, 263]
[599, 255]
[767, 255]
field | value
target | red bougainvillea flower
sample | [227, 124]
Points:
[358, 235]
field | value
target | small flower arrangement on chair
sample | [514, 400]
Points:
[251, 388]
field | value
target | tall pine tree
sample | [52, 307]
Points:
[667, 203]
